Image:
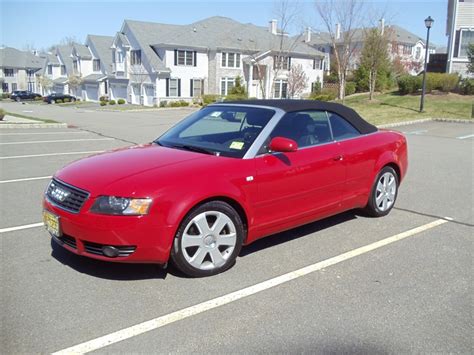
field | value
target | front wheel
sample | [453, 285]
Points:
[52, 102]
[384, 193]
[17, 99]
[208, 240]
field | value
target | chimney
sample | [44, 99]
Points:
[307, 35]
[338, 31]
[382, 26]
[273, 27]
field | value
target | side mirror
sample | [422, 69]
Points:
[283, 145]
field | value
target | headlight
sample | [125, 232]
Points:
[121, 205]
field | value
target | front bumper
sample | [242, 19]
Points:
[139, 239]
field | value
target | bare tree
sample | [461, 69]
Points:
[74, 81]
[347, 16]
[297, 80]
[139, 76]
[45, 83]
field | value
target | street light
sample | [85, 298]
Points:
[428, 23]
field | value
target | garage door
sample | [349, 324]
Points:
[118, 91]
[92, 92]
[136, 94]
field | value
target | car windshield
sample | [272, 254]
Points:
[220, 130]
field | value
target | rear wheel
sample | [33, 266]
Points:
[17, 99]
[208, 240]
[384, 193]
[52, 102]
[73, 99]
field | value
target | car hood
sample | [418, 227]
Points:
[124, 168]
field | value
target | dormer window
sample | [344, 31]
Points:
[230, 60]
[75, 66]
[96, 65]
[50, 69]
[136, 57]
[187, 58]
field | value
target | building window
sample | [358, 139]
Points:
[259, 72]
[173, 87]
[14, 87]
[281, 62]
[5, 87]
[136, 57]
[63, 70]
[75, 66]
[119, 57]
[280, 91]
[187, 58]
[9, 72]
[406, 49]
[226, 85]
[30, 72]
[417, 52]
[317, 63]
[462, 41]
[230, 60]
[96, 65]
[197, 87]
[50, 69]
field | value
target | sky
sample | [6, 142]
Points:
[41, 24]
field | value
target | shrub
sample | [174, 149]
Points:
[104, 98]
[331, 78]
[350, 88]
[39, 98]
[112, 102]
[324, 95]
[408, 84]
[466, 86]
[6, 95]
[235, 97]
[58, 101]
[441, 81]
[316, 87]
[121, 101]
[67, 99]
[103, 103]
[209, 99]
[2, 113]
[174, 104]
[183, 103]
[163, 103]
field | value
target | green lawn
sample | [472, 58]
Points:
[391, 107]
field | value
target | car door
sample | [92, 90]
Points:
[360, 155]
[303, 185]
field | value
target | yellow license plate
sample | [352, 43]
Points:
[51, 222]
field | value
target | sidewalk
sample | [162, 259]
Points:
[20, 122]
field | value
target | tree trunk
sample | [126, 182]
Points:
[342, 86]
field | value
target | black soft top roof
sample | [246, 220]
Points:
[301, 105]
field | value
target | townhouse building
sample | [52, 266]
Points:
[18, 70]
[57, 68]
[460, 32]
[159, 62]
[404, 46]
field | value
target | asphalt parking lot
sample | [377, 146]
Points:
[367, 286]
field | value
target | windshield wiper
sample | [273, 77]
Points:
[193, 148]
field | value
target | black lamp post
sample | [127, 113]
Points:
[428, 23]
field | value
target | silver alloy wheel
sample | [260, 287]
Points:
[208, 240]
[386, 191]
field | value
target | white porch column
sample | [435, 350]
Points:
[250, 82]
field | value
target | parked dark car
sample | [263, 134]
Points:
[20, 95]
[55, 97]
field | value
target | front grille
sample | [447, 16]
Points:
[65, 196]
[96, 249]
[69, 241]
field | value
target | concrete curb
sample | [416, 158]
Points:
[406, 123]
[32, 125]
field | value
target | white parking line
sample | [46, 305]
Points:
[26, 226]
[42, 133]
[60, 141]
[417, 132]
[466, 137]
[49, 154]
[159, 322]
[25, 179]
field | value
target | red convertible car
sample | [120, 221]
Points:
[229, 174]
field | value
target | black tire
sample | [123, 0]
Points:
[177, 255]
[52, 102]
[372, 208]
[17, 99]
[73, 99]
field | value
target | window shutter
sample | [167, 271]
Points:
[175, 57]
[167, 87]
[191, 86]
[195, 58]
[179, 87]
[289, 62]
[202, 87]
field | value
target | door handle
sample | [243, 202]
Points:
[338, 158]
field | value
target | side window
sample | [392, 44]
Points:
[307, 128]
[341, 129]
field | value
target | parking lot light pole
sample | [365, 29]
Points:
[428, 23]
